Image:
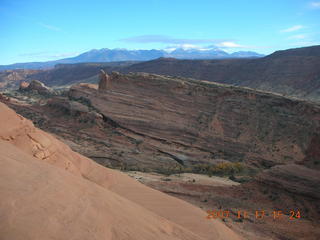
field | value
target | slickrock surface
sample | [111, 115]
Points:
[50, 192]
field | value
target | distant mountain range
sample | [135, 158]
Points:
[116, 55]
[292, 72]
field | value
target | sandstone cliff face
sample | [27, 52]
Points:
[204, 122]
[49, 191]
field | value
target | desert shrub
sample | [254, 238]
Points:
[171, 169]
[227, 168]
[138, 141]
[167, 171]
[201, 168]
[224, 168]
[230, 169]
[232, 177]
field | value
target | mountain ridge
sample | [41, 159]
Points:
[120, 54]
[293, 72]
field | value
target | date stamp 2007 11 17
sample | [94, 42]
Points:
[258, 214]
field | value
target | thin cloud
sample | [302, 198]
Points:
[168, 40]
[202, 44]
[315, 5]
[186, 46]
[33, 54]
[50, 27]
[293, 28]
[48, 55]
[305, 43]
[63, 55]
[298, 36]
[229, 45]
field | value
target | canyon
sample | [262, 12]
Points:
[259, 147]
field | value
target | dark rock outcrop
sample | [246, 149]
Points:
[76, 109]
[36, 87]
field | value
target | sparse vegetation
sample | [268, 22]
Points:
[221, 169]
[230, 169]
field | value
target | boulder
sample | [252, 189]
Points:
[23, 85]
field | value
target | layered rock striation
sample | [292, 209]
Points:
[205, 122]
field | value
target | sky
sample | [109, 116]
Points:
[42, 30]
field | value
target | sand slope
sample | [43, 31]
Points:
[72, 197]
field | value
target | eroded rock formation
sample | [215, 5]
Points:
[104, 83]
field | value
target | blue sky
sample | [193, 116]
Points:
[41, 30]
